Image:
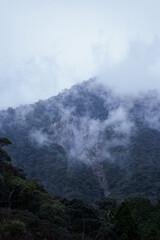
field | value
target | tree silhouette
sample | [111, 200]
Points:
[3, 154]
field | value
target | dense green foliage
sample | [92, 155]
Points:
[132, 169]
[28, 212]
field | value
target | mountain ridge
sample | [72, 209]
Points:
[63, 140]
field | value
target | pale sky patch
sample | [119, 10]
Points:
[47, 46]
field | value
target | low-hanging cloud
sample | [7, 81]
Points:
[38, 137]
[138, 72]
[90, 140]
[48, 46]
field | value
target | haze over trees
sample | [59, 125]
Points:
[88, 143]
[28, 212]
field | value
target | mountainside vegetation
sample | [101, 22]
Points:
[27, 212]
[88, 143]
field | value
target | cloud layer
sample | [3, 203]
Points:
[47, 46]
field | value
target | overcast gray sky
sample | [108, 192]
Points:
[49, 45]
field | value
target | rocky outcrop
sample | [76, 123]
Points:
[98, 171]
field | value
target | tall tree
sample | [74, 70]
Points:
[3, 154]
[125, 227]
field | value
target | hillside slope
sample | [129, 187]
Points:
[88, 143]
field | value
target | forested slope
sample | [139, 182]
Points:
[88, 143]
[28, 212]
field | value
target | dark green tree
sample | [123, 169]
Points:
[4, 142]
[125, 228]
[3, 154]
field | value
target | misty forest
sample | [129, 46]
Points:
[80, 120]
[82, 165]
